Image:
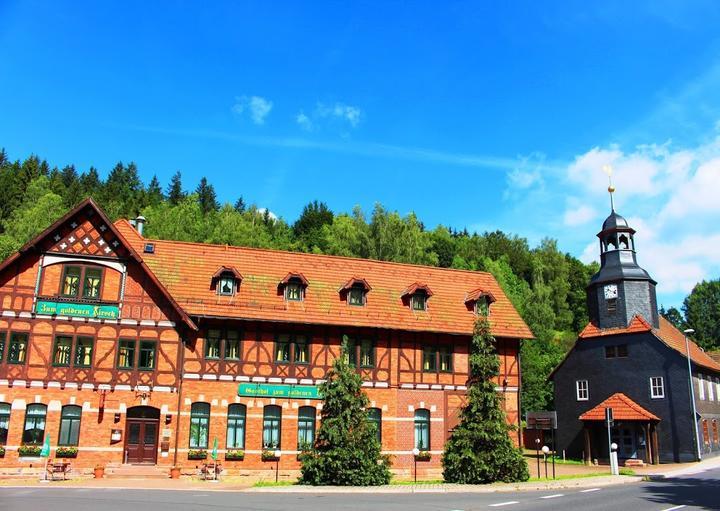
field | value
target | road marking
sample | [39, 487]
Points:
[589, 490]
[509, 502]
[674, 508]
[553, 496]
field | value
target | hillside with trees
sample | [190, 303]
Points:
[546, 285]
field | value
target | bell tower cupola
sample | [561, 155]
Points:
[621, 289]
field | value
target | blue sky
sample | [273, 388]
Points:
[494, 115]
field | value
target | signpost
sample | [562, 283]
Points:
[82, 310]
[45, 453]
[612, 448]
[543, 421]
[281, 391]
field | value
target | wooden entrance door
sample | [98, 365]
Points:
[141, 435]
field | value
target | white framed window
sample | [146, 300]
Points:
[701, 387]
[657, 387]
[581, 389]
[717, 387]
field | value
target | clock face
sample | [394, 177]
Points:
[611, 291]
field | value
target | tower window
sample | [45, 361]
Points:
[624, 242]
[612, 305]
[618, 351]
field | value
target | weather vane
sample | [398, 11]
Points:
[611, 189]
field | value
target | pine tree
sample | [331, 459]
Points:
[479, 449]
[240, 205]
[175, 193]
[206, 196]
[347, 451]
[154, 194]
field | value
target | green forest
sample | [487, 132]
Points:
[546, 285]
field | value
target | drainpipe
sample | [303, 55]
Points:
[180, 367]
[692, 396]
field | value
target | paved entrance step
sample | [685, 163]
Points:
[136, 472]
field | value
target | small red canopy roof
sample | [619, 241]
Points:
[624, 409]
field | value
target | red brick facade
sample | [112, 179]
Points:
[151, 358]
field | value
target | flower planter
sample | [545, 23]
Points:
[269, 456]
[423, 456]
[236, 455]
[197, 455]
[174, 472]
[66, 452]
[29, 450]
[99, 472]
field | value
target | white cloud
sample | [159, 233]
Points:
[338, 115]
[258, 107]
[304, 121]
[579, 215]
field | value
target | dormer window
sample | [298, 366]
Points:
[293, 286]
[355, 291]
[226, 281]
[226, 286]
[417, 296]
[479, 302]
[418, 301]
[294, 291]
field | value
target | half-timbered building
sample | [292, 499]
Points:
[131, 350]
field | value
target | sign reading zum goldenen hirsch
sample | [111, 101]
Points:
[286, 391]
[83, 310]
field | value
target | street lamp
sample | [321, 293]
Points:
[545, 451]
[416, 452]
[687, 332]
[277, 463]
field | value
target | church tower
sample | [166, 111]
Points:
[621, 289]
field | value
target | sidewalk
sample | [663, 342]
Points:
[678, 469]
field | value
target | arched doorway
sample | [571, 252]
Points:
[141, 435]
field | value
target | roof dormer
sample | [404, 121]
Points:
[416, 296]
[226, 281]
[479, 301]
[293, 286]
[354, 291]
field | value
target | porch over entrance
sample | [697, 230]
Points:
[634, 431]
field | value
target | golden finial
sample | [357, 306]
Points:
[611, 189]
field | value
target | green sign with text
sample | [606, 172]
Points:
[283, 391]
[83, 310]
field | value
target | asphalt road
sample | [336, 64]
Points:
[700, 491]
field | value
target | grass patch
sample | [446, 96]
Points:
[627, 472]
[560, 461]
[406, 483]
[268, 484]
[568, 476]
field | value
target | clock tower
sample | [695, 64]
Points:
[621, 289]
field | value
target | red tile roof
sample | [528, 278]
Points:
[667, 333]
[624, 409]
[186, 268]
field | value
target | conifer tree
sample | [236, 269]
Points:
[346, 451]
[479, 449]
[206, 196]
[175, 193]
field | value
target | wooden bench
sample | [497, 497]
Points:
[210, 471]
[56, 469]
